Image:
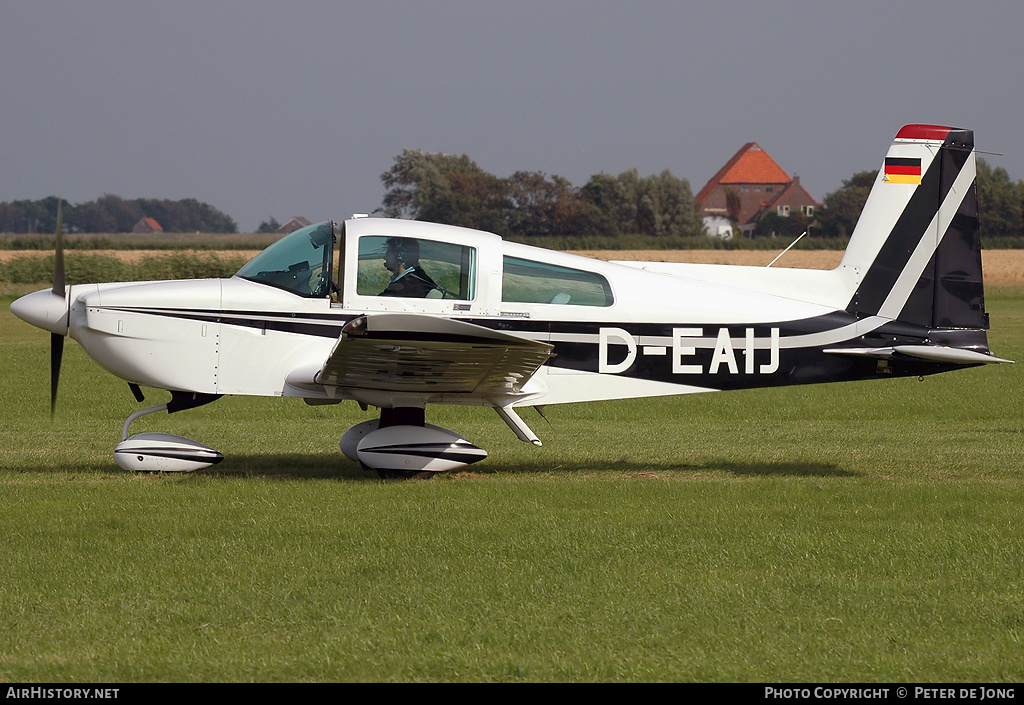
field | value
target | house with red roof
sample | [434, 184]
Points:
[293, 224]
[147, 225]
[750, 185]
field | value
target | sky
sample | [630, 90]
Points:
[278, 109]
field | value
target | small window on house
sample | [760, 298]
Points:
[808, 210]
[757, 189]
[525, 281]
[783, 210]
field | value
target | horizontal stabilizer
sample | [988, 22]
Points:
[944, 354]
[880, 353]
[932, 353]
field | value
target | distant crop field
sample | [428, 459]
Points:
[131, 241]
[131, 256]
[1001, 267]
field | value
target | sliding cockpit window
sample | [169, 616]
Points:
[411, 267]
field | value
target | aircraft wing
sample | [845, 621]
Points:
[417, 353]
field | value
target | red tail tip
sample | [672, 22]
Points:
[923, 132]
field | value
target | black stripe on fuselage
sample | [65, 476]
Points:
[797, 365]
[330, 326]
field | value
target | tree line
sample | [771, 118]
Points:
[452, 189]
[113, 214]
[1000, 202]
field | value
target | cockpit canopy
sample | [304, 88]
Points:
[400, 265]
[299, 262]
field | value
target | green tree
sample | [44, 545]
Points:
[789, 226]
[269, 226]
[452, 189]
[841, 208]
[733, 206]
[188, 215]
[539, 204]
[666, 208]
[108, 214]
[605, 206]
[443, 188]
[113, 214]
[661, 205]
[628, 210]
[1000, 202]
[27, 217]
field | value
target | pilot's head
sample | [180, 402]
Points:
[402, 253]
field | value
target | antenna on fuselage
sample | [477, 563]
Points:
[786, 250]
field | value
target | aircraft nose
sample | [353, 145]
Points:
[43, 309]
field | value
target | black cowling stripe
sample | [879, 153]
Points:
[304, 324]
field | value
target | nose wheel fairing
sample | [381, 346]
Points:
[165, 452]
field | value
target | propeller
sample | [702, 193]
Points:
[56, 353]
[59, 287]
[50, 309]
[58, 257]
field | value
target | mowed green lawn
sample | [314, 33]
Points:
[850, 532]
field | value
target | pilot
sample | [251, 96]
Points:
[408, 279]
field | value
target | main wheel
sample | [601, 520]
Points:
[405, 474]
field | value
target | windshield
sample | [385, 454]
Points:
[299, 262]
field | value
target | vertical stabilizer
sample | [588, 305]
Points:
[916, 250]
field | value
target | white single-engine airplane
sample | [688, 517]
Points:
[400, 314]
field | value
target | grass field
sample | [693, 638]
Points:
[851, 532]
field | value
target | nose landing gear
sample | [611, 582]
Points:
[165, 452]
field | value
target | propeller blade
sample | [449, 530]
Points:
[58, 258]
[56, 353]
[59, 285]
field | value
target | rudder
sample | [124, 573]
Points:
[916, 249]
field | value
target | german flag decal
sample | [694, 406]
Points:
[903, 170]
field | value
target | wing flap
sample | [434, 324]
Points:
[418, 353]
